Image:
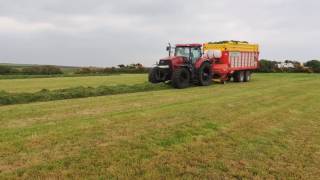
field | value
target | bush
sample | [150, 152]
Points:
[41, 70]
[8, 70]
[267, 66]
[85, 70]
[5, 69]
[314, 65]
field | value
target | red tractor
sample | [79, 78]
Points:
[199, 64]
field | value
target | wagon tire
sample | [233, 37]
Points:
[238, 76]
[247, 76]
[181, 78]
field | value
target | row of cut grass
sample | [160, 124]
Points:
[37, 84]
[76, 92]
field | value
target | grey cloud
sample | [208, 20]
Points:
[104, 33]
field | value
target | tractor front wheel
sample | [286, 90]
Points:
[153, 75]
[181, 78]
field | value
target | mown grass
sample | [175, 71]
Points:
[76, 92]
[37, 84]
[268, 128]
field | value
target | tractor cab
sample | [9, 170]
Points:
[190, 51]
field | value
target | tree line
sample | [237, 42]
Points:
[55, 70]
[131, 68]
[268, 66]
[30, 70]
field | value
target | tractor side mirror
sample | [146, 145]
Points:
[168, 48]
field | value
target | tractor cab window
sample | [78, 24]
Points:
[195, 54]
[182, 51]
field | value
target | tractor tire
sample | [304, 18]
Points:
[181, 78]
[153, 75]
[247, 76]
[238, 76]
[205, 74]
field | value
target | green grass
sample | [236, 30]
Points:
[37, 84]
[268, 128]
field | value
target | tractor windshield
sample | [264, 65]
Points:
[193, 53]
[182, 51]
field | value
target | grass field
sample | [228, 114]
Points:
[36, 84]
[268, 128]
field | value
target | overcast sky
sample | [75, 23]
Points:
[111, 32]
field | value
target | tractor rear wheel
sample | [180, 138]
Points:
[205, 74]
[153, 75]
[247, 76]
[238, 76]
[181, 78]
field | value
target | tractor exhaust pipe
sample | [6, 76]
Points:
[169, 47]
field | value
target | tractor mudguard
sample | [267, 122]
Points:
[199, 63]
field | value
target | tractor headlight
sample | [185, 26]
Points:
[163, 66]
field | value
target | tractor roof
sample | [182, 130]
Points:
[188, 45]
